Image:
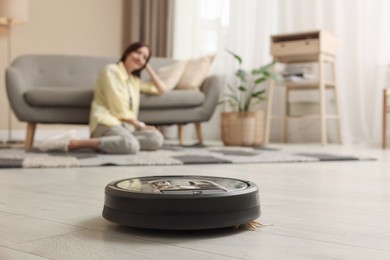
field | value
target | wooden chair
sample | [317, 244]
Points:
[386, 109]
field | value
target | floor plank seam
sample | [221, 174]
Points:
[325, 241]
[42, 219]
[47, 237]
[159, 242]
[25, 252]
[328, 220]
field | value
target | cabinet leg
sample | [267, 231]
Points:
[268, 117]
[286, 114]
[384, 120]
[337, 100]
[322, 99]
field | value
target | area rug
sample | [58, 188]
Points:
[168, 155]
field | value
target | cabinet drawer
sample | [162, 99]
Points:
[300, 47]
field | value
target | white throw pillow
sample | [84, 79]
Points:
[195, 73]
[171, 74]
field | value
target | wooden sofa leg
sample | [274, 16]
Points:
[199, 132]
[180, 133]
[30, 135]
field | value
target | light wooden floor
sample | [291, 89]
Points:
[338, 210]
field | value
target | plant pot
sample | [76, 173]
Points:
[242, 128]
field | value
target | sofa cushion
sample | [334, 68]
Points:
[82, 98]
[195, 73]
[173, 99]
[171, 74]
[59, 97]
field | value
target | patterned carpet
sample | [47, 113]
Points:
[168, 155]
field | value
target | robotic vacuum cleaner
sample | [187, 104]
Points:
[181, 202]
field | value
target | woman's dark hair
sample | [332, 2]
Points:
[133, 47]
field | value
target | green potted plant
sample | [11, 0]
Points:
[244, 125]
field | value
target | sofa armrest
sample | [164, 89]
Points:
[211, 88]
[16, 87]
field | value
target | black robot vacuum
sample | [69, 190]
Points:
[181, 202]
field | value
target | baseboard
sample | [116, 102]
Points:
[20, 135]
[189, 135]
[16, 135]
[41, 134]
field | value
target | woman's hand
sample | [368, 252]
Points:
[156, 80]
[138, 125]
[141, 126]
[149, 127]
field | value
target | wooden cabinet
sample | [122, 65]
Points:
[314, 46]
[304, 46]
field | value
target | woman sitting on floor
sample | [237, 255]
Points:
[114, 124]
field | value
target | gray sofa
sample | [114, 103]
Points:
[58, 89]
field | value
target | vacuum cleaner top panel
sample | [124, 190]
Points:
[180, 185]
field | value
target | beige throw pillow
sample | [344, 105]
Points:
[195, 73]
[171, 74]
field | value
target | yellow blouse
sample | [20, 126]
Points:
[117, 96]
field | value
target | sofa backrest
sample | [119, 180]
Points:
[68, 71]
[60, 70]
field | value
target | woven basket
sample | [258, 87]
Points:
[242, 128]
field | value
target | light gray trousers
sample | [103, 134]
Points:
[121, 140]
